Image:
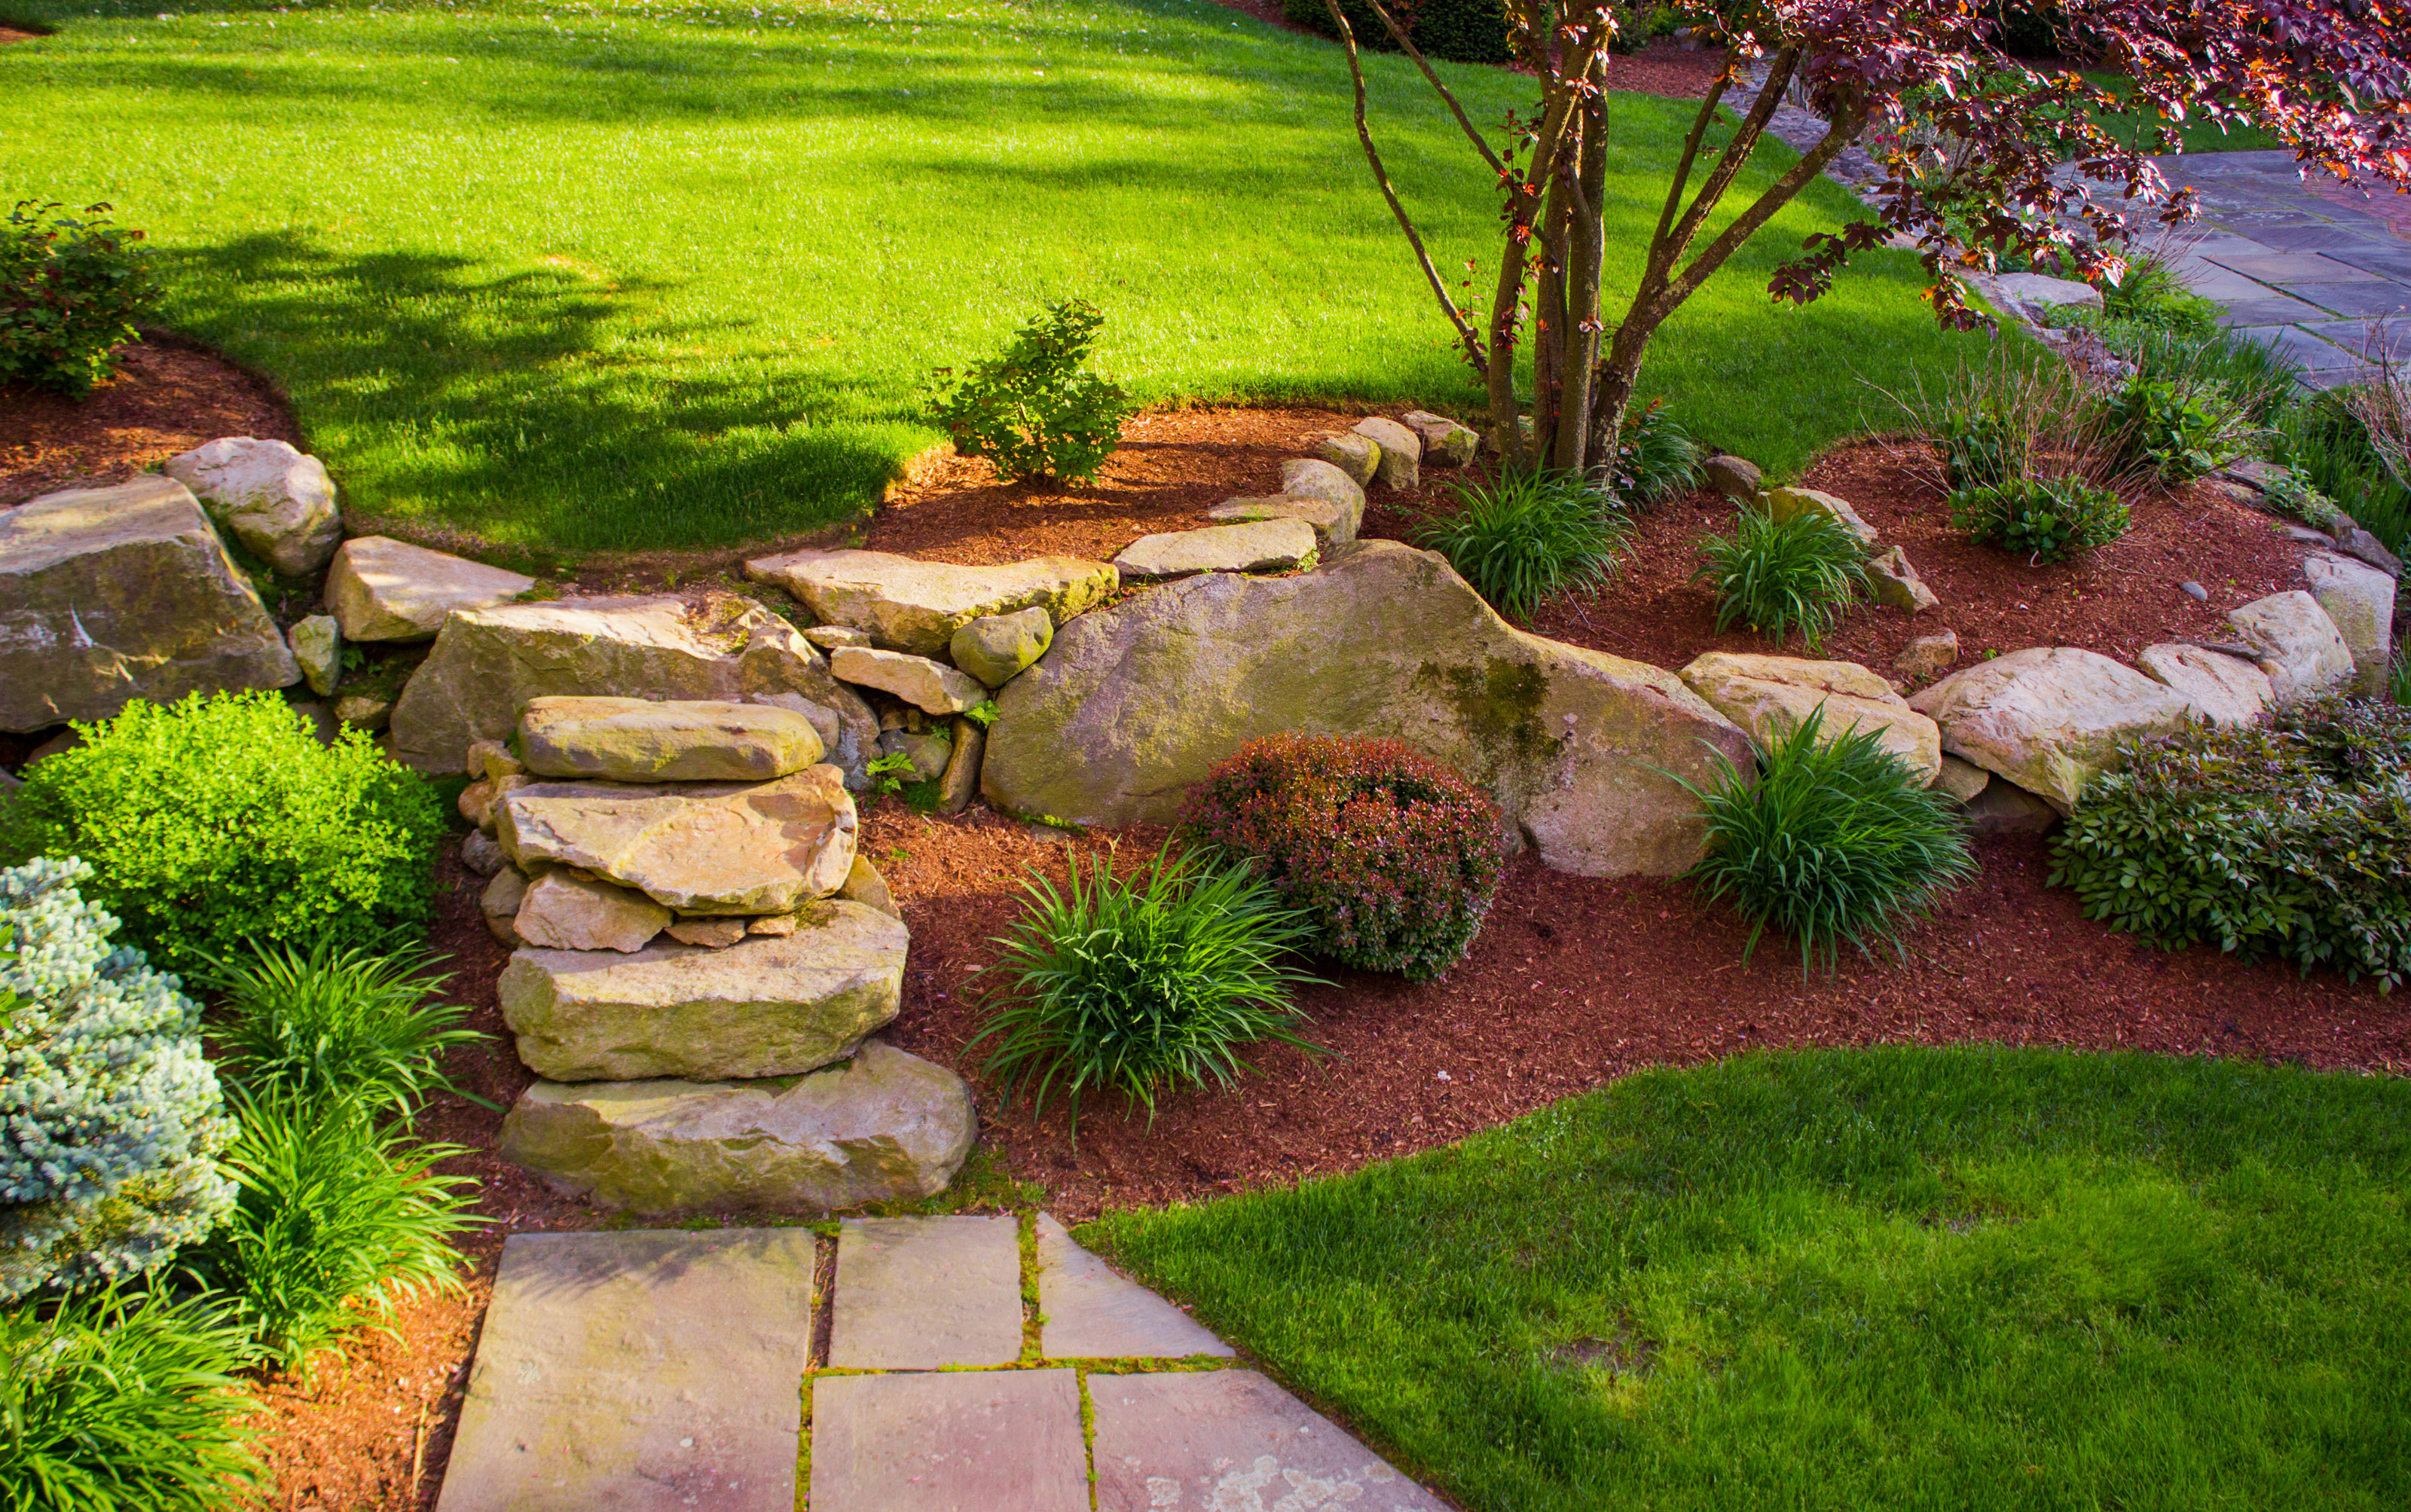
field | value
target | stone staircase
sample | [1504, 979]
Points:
[701, 961]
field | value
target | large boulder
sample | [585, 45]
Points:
[1135, 703]
[384, 590]
[278, 502]
[761, 1006]
[1267, 546]
[2048, 718]
[677, 740]
[913, 605]
[695, 847]
[107, 595]
[1770, 695]
[885, 1126]
[488, 663]
[2223, 689]
[2301, 648]
[2360, 599]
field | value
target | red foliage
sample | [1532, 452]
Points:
[1394, 856]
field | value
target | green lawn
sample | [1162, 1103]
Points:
[586, 277]
[1932, 1279]
[2198, 136]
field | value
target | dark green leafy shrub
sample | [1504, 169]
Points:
[1981, 447]
[1835, 842]
[1030, 410]
[2258, 378]
[70, 291]
[222, 820]
[1655, 458]
[1393, 856]
[2291, 839]
[331, 1210]
[2042, 520]
[1527, 537]
[329, 1024]
[112, 1404]
[1799, 572]
[1111, 987]
[2174, 432]
[110, 1116]
[1462, 31]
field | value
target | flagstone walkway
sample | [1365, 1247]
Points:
[972, 1364]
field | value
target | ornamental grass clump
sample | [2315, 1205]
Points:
[1142, 987]
[1527, 537]
[1655, 458]
[110, 1116]
[1393, 856]
[221, 820]
[1776, 574]
[2291, 839]
[115, 1403]
[1835, 843]
[337, 1024]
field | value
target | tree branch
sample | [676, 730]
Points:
[1407, 45]
[1735, 152]
[1700, 125]
[1380, 176]
[1838, 135]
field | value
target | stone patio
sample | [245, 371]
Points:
[650, 1370]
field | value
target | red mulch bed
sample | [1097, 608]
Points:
[167, 397]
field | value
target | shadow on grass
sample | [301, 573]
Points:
[538, 410]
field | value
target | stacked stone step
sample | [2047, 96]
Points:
[701, 961]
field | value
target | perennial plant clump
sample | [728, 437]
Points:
[2042, 520]
[70, 291]
[221, 820]
[1527, 537]
[333, 1025]
[1394, 857]
[1777, 573]
[2291, 839]
[110, 1116]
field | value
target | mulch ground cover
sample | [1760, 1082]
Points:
[165, 398]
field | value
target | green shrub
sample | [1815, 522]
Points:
[70, 291]
[222, 820]
[1527, 537]
[1462, 31]
[2042, 520]
[1140, 989]
[1030, 410]
[108, 1405]
[1655, 458]
[1835, 842]
[331, 1210]
[1800, 572]
[108, 1114]
[333, 1025]
[1638, 25]
[1393, 856]
[2290, 495]
[2174, 432]
[2291, 839]
[2258, 378]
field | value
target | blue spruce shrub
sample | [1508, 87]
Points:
[110, 1119]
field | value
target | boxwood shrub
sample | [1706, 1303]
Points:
[1462, 31]
[1393, 856]
[2291, 839]
[222, 820]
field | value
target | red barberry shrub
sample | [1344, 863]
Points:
[1393, 856]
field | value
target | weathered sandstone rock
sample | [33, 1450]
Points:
[2301, 648]
[1333, 524]
[996, 647]
[384, 590]
[1770, 695]
[1445, 443]
[112, 594]
[1137, 703]
[1311, 478]
[1271, 546]
[564, 911]
[1402, 450]
[278, 502]
[318, 650]
[677, 740]
[929, 686]
[2360, 599]
[2223, 689]
[2048, 718]
[916, 606]
[1354, 456]
[695, 847]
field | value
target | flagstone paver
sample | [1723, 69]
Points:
[639, 1371]
[1207, 1440]
[956, 1441]
[924, 1293]
[1094, 1313]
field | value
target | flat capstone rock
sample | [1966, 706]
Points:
[673, 740]
[913, 605]
[1093, 1312]
[925, 1293]
[759, 1005]
[707, 848]
[1230, 1438]
[384, 590]
[1334, 524]
[640, 1372]
[963, 1440]
[1270, 546]
[883, 1126]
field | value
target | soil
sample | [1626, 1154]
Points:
[166, 397]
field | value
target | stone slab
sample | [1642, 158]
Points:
[2272, 309]
[1092, 1311]
[668, 741]
[639, 1371]
[2362, 301]
[695, 847]
[1256, 547]
[2294, 267]
[384, 590]
[913, 605]
[924, 1293]
[1230, 1438]
[966, 1441]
